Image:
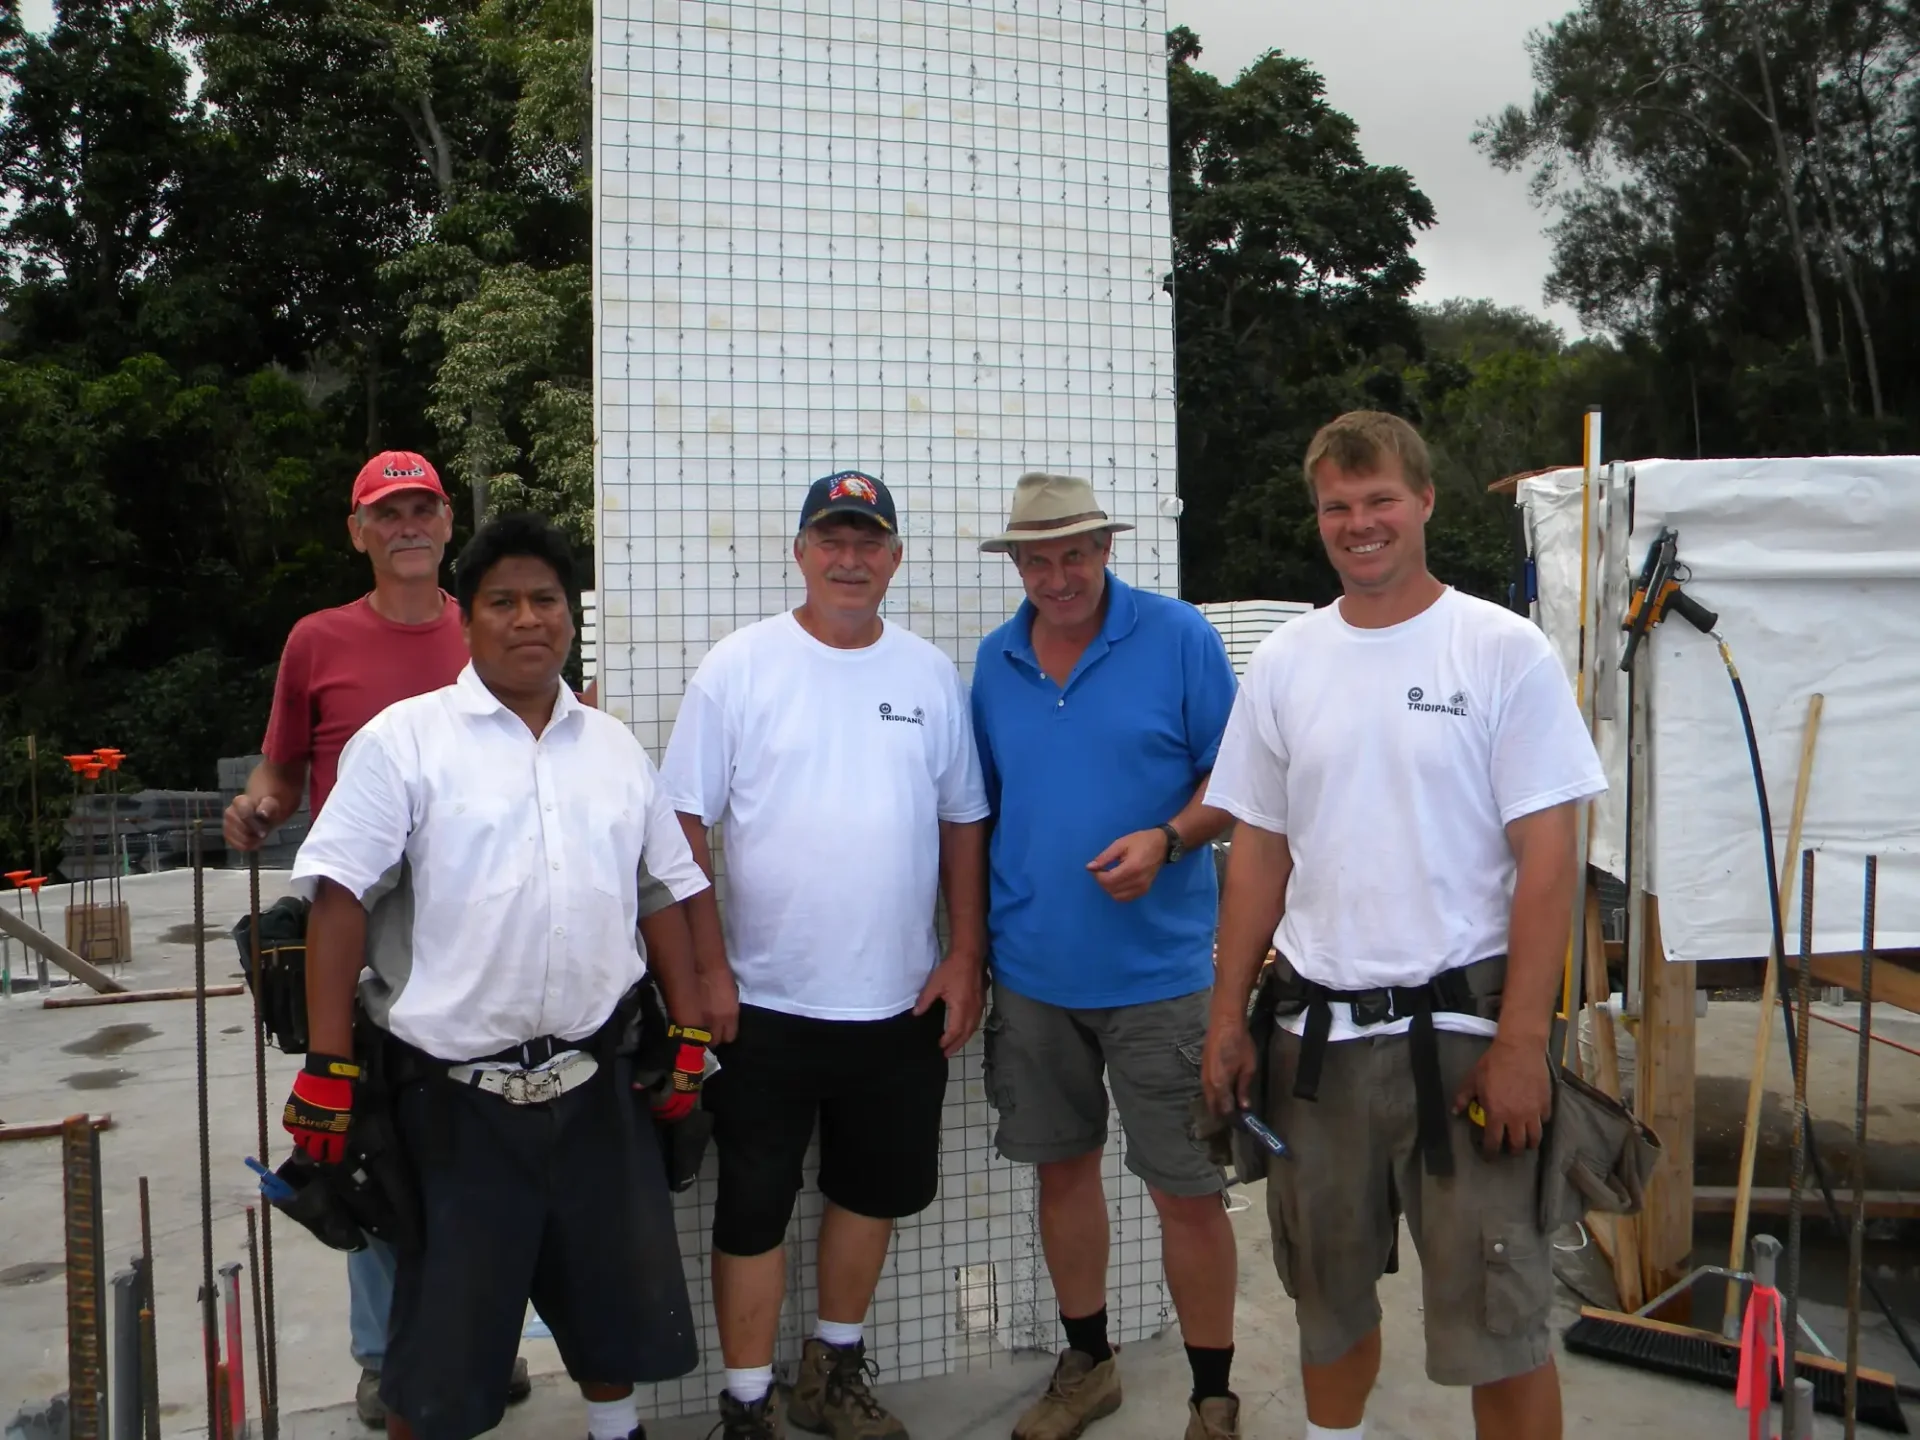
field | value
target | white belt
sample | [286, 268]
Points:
[566, 1071]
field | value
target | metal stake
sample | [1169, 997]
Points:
[236, 1350]
[267, 1419]
[209, 1330]
[1856, 1240]
[1803, 997]
[269, 1353]
[127, 1286]
[149, 1342]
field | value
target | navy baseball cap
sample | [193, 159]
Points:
[849, 492]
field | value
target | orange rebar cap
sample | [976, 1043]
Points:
[34, 882]
[110, 757]
[18, 876]
[92, 769]
[80, 762]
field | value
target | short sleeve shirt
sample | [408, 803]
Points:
[1393, 760]
[830, 772]
[1070, 769]
[340, 668]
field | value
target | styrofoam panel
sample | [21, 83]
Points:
[928, 240]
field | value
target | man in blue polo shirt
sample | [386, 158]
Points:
[1098, 709]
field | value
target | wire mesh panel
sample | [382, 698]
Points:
[925, 240]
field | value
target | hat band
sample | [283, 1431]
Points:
[1058, 521]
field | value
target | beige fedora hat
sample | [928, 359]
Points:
[1051, 507]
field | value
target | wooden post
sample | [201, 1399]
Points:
[1664, 1100]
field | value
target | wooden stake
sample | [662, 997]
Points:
[134, 997]
[1763, 1026]
[1617, 1239]
[1664, 1100]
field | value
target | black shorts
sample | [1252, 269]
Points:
[876, 1087]
[564, 1204]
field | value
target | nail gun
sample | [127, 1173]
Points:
[1657, 591]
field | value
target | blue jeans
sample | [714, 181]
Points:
[369, 1299]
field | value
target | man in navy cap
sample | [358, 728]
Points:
[836, 750]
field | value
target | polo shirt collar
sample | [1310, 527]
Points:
[472, 696]
[1123, 614]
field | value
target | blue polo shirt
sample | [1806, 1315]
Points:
[1069, 770]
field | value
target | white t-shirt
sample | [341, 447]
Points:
[832, 770]
[1392, 760]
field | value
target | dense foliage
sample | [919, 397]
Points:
[245, 242]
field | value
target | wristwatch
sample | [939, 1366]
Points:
[1176, 847]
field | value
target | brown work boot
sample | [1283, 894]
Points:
[1215, 1418]
[832, 1395]
[1080, 1393]
[758, 1421]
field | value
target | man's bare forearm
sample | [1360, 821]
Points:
[1258, 868]
[336, 950]
[1198, 822]
[282, 784]
[670, 956]
[1547, 868]
[963, 881]
[703, 910]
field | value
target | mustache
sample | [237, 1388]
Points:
[839, 574]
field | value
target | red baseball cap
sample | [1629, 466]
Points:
[392, 471]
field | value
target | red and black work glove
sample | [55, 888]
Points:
[320, 1106]
[689, 1069]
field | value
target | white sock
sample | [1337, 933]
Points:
[750, 1386]
[612, 1419]
[1320, 1432]
[838, 1334]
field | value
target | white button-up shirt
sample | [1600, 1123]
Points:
[501, 870]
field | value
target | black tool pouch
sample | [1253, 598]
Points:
[281, 985]
[683, 1142]
[377, 1178]
[1595, 1155]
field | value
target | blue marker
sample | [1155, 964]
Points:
[271, 1185]
[1265, 1134]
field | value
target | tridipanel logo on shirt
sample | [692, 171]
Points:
[918, 717]
[1456, 703]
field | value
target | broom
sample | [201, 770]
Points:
[1688, 1354]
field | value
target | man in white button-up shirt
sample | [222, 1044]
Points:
[482, 851]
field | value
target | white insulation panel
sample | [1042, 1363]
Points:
[929, 241]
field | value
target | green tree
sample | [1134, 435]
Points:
[1292, 267]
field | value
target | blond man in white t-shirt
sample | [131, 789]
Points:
[1405, 767]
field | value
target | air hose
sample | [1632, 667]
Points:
[1786, 989]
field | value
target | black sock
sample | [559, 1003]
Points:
[1088, 1334]
[1211, 1371]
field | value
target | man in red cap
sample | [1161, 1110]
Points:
[340, 668]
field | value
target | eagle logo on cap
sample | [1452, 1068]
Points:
[856, 486]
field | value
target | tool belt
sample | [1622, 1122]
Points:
[280, 988]
[1472, 989]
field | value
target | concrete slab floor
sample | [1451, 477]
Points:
[137, 1061]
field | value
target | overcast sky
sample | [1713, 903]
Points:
[1415, 75]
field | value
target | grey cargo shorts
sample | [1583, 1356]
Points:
[1044, 1075]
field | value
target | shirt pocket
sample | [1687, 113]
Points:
[614, 834]
[484, 845]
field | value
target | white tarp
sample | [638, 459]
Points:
[1813, 566]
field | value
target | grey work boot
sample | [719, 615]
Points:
[1215, 1418]
[1081, 1392]
[832, 1395]
[366, 1400]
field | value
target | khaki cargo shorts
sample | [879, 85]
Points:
[1486, 1267]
